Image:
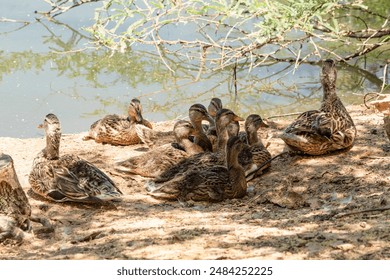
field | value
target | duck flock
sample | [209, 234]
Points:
[194, 161]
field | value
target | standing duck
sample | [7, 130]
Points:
[223, 118]
[328, 129]
[119, 130]
[155, 161]
[68, 178]
[207, 183]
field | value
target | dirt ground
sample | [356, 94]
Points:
[303, 208]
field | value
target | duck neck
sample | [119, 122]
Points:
[236, 174]
[252, 137]
[52, 149]
[329, 89]
[201, 138]
[222, 139]
[190, 147]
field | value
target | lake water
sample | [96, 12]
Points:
[52, 67]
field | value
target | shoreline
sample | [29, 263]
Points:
[288, 213]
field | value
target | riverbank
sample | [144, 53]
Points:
[303, 208]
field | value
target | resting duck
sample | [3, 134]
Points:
[119, 130]
[223, 118]
[207, 183]
[260, 154]
[68, 178]
[328, 129]
[153, 162]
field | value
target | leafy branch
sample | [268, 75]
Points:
[215, 34]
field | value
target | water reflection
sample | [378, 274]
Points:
[60, 72]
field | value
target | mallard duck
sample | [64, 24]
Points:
[206, 183]
[15, 210]
[233, 128]
[223, 118]
[259, 152]
[211, 130]
[153, 162]
[119, 130]
[197, 114]
[328, 129]
[68, 177]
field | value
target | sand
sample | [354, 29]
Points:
[302, 208]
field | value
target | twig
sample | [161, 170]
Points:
[87, 238]
[264, 164]
[284, 115]
[384, 78]
[368, 94]
[340, 215]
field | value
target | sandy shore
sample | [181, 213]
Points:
[295, 211]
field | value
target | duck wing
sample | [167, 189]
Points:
[194, 162]
[304, 123]
[153, 138]
[207, 184]
[153, 162]
[73, 179]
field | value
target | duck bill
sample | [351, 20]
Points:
[138, 117]
[40, 126]
[237, 118]
[263, 124]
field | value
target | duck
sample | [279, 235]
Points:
[329, 129]
[15, 209]
[206, 183]
[211, 131]
[155, 161]
[223, 118]
[68, 177]
[119, 130]
[233, 128]
[260, 154]
[197, 113]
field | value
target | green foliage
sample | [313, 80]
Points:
[218, 33]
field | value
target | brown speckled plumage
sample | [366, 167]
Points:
[68, 178]
[223, 118]
[206, 183]
[328, 129]
[157, 160]
[119, 130]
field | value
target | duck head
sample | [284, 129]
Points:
[225, 116]
[183, 129]
[254, 122]
[52, 127]
[135, 111]
[214, 106]
[198, 113]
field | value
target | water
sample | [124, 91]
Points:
[52, 67]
